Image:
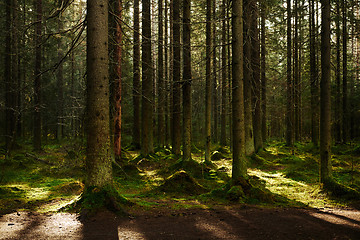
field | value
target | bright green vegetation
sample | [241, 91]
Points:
[279, 176]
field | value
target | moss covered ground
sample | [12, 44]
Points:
[279, 176]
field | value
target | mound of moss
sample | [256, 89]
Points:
[182, 182]
[69, 188]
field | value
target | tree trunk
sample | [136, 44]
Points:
[60, 89]
[161, 83]
[147, 82]
[296, 73]
[187, 77]
[337, 123]
[239, 168]
[176, 111]
[345, 115]
[214, 78]
[98, 159]
[263, 73]
[325, 96]
[117, 82]
[37, 72]
[256, 84]
[136, 78]
[249, 133]
[223, 76]
[313, 78]
[289, 83]
[208, 80]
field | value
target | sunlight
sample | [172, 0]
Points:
[218, 230]
[129, 234]
[344, 217]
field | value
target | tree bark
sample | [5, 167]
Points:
[223, 76]
[37, 72]
[60, 88]
[136, 78]
[345, 115]
[98, 158]
[161, 83]
[176, 111]
[117, 82]
[147, 82]
[209, 79]
[337, 123]
[239, 168]
[187, 78]
[256, 84]
[325, 96]
[289, 83]
[263, 73]
[249, 133]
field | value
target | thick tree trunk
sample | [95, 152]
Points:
[187, 77]
[98, 158]
[176, 110]
[239, 168]
[325, 96]
[136, 78]
[147, 83]
[37, 72]
[256, 84]
[249, 133]
[208, 80]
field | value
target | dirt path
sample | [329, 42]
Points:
[224, 223]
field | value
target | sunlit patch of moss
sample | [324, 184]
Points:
[310, 195]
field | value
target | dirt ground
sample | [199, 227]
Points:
[236, 222]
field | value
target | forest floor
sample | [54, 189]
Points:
[35, 188]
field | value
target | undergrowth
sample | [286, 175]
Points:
[278, 176]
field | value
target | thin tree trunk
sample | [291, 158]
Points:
[345, 120]
[208, 80]
[263, 73]
[313, 78]
[256, 84]
[37, 72]
[136, 78]
[60, 89]
[117, 85]
[187, 77]
[223, 76]
[325, 96]
[161, 83]
[289, 85]
[239, 168]
[214, 78]
[296, 72]
[147, 82]
[337, 123]
[249, 134]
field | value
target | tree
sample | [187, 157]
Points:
[37, 72]
[117, 80]
[289, 83]
[208, 80]
[345, 120]
[187, 106]
[255, 80]
[147, 82]
[223, 76]
[325, 96]
[239, 168]
[98, 158]
[161, 82]
[60, 89]
[136, 78]
[176, 108]
[263, 72]
[249, 134]
[313, 77]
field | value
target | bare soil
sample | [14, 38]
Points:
[233, 222]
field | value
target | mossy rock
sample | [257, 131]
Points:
[192, 167]
[69, 188]
[235, 193]
[182, 182]
[223, 149]
[260, 195]
[216, 156]
[10, 192]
